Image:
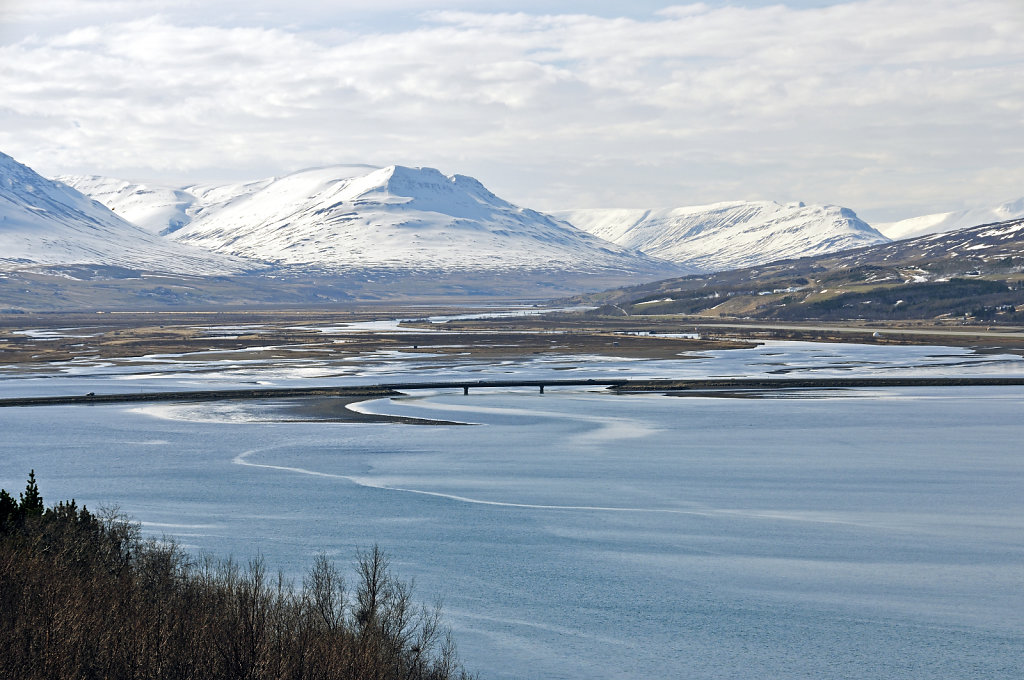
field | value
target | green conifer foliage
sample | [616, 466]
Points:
[31, 500]
[8, 508]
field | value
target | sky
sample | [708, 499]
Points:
[894, 108]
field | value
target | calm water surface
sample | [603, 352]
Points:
[578, 534]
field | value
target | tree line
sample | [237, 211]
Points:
[84, 595]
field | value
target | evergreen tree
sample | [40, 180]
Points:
[31, 500]
[8, 508]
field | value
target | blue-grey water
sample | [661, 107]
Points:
[579, 534]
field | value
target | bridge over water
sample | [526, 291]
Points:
[620, 385]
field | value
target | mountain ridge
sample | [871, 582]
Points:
[290, 241]
[45, 223]
[729, 234]
[938, 223]
[351, 216]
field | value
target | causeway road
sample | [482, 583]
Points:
[616, 384]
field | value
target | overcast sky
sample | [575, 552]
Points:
[894, 108]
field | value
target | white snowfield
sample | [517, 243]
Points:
[396, 217]
[729, 235]
[43, 222]
[157, 208]
[150, 206]
[950, 221]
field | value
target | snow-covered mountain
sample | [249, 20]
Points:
[942, 222]
[343, 217]
[153, 207]
[161, 208]
[729, 235]
[43, 222]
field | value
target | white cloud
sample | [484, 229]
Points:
[879, 105]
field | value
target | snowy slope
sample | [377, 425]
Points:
[150, 206]
[942, 222]
[157, 208]
[343, 217]
[729, 235]
[49, 223]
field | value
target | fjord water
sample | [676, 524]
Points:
[578, 534]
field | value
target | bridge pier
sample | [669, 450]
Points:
[465, 390]
[542, 389]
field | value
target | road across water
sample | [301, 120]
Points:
[616, 384]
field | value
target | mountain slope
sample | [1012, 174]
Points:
[977, 271]
[729, 235]
[153, 207]
[942, 222]
[399, 218]
[43, 222]
[162, 209]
